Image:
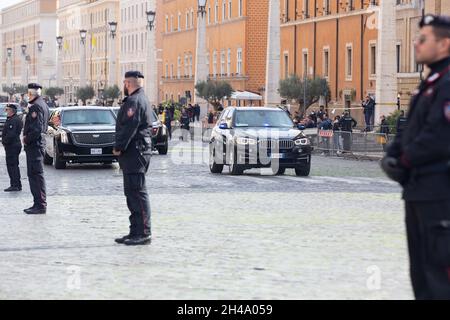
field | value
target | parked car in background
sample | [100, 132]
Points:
[80, 135]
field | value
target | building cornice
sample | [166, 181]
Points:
[335, 16]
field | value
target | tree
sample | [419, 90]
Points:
[111, 93]
[305, 91]
[52, 92]
[85, 93]
[213, 91]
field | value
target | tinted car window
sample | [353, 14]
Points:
[86, 117]
[262, 118]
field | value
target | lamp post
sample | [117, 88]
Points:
[112, 56]
[59, 41]
[152, 66]
[24, 64]
[272, 97]
[40, 45]
[9, 67]
[201, 71]
[83, 34]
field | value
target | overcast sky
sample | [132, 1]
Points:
[7, 3]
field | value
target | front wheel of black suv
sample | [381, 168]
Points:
[279, 172]
[59, 164]
[165, 148]
[213, 166]
[235, 168]
[47, 159]
[303, 170]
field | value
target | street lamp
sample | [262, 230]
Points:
[9, 51]
[113, 29]
[83, 34]
[151, 19]
[59, 41]
[40, 44]
[82, 82]
[24, 48]
[201, 7]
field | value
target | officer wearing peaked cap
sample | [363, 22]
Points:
[36, 123]
[13, 146]
[133, 147]
[419, 159]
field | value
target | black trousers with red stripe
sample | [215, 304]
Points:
[35, 172]
[428, 231]
[138, 203]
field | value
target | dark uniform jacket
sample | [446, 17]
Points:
[348, 123]
[11, 132]
[424, 145]
[133, 132]
[36, 124]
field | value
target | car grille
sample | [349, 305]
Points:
[276, 144]
[93, 139]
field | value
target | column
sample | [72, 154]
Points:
[272, 96]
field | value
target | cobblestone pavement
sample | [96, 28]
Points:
[338, 234]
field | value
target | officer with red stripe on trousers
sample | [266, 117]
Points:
[133, 147]
[419, 159]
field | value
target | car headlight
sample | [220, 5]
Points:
[245, 141]
[302, 142]
[64, 137]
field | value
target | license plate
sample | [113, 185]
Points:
[276, 155]
[96, 151]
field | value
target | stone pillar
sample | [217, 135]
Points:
[9, 72]
[39, 67]
[272, 97]
[386, 90]
[201, 68]
[23, 69]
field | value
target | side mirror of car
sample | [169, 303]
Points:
[223, 126]
[301, 127]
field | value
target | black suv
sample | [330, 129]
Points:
[160, 135]
[258, 137]
[80, 135]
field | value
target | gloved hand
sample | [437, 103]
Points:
[393, 169]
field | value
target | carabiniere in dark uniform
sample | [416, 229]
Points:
[36, 124]
[13, 146]
[133, 140]
[419, 159]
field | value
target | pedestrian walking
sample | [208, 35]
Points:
[337, 134]
[384, 132]
[36, 124]
[168, 122]
[184, 121]
[419, 159]
[133, 147]
[13, 146]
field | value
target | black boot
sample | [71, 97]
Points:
[136, 241]
[35, 210]
[122, 240]
[12, 189]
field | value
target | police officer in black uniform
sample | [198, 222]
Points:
[133, 147]
[36, 124]
[347, 124]
[13, 146]
[401, 122]
[419, 159]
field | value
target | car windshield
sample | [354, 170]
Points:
[262, 118]
[87, 117]
[2, 111]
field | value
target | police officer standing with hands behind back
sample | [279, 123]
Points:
[133, 147]
[36, 124]
[419, 159]
[13, 146]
